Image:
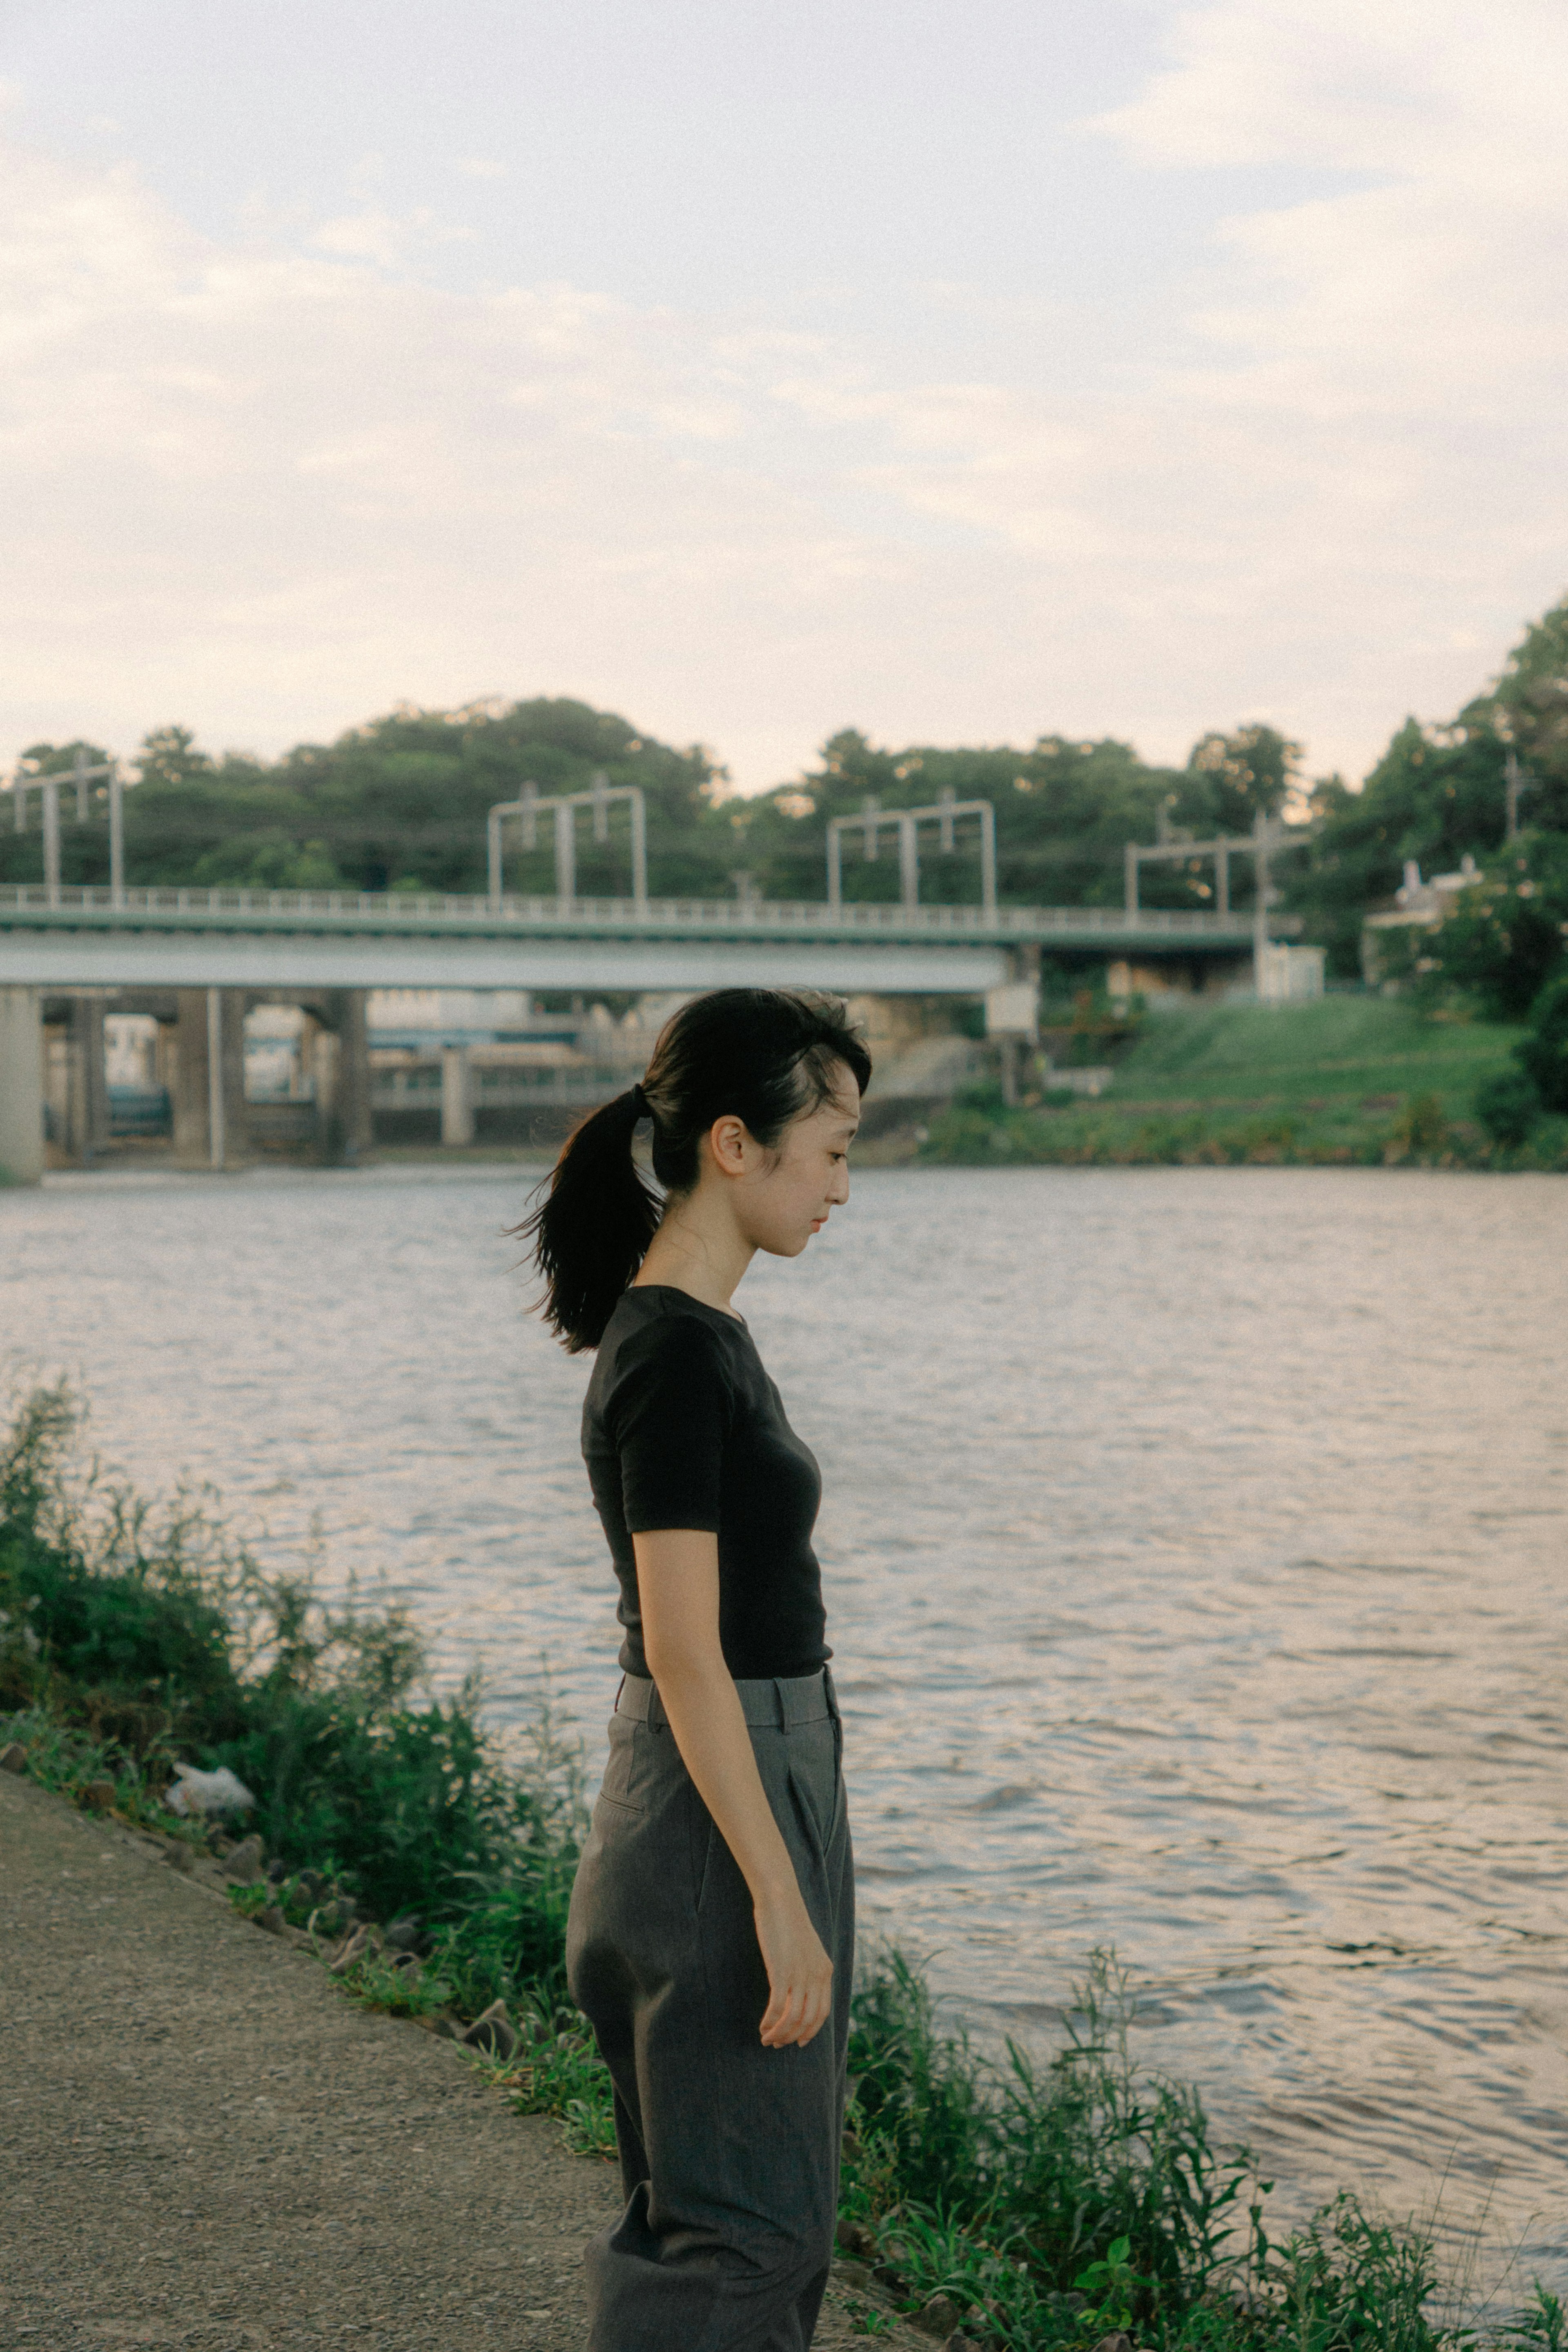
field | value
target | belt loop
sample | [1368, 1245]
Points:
[618, 1688]
[657, 1719]
[829, 1694]
[781, 1706]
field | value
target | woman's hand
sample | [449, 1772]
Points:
[800, 1973]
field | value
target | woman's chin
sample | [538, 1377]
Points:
[786, 1245]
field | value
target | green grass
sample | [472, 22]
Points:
[1048, 2200]
[1347, 1081]
[1336, 1052]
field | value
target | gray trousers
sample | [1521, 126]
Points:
[729, 2152]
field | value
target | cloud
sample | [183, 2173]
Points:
[1473, 89]
[1436, 279]
[262, 488]
[369, 235]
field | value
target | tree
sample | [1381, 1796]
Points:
[404, 800]
[1435, 793]
[1528, 709]
[400, 803]
[192, 818]
[1438, 791]
[169, 755]
[1064, 812]
[1507, 937]
[1255, 772]
[1508, 1107]
[1544, 1052]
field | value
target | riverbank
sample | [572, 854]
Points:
[1348, 1081]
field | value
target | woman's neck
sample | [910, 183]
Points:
[695, 1254]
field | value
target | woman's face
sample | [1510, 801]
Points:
[782, 1197]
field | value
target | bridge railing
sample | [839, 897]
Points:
[397, 909]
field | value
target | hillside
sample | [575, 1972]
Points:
[1328, 1056]
[1350, 1080]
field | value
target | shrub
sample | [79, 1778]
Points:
[1420, 1127]
[1544, 1052]
[158, 1638]
[1507, 1108]
[1004, 2179]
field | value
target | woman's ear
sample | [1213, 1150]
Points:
[728, 1141]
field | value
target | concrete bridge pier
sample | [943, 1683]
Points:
[86, 1113]
[1018, 1047]
[341, 1060]
[211, 1129]
[457, 1095]
[76, 1083]
[21, 1084]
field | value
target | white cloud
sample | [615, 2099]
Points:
[369, 235]
[1438, 275]
[261, 488]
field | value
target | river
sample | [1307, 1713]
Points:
[1194, 1541]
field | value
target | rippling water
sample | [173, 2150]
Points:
[1195, 1543]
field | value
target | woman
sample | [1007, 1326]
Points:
[711, 1935]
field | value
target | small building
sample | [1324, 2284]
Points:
[1416, 902]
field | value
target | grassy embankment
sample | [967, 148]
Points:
[1041, 2203]
[1350, 1081]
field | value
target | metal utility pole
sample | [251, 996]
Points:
[1263, 839]
[217, 1141]
[1516, 780]
[563, 808]
[81, 775]
[1267, 835]
[873, 819]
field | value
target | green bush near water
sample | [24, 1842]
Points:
[146, 1640]
[1050, 2202]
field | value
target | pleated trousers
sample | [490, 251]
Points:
[729, 2152]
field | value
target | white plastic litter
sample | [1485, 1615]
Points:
[208, 1793]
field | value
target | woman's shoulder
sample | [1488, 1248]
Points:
[654, 1325]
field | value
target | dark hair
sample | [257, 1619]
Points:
[763, 1055]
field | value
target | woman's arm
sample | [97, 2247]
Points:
[677, 1585]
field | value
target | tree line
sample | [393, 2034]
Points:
[400, 804]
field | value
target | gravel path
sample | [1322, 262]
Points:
[205, 2144]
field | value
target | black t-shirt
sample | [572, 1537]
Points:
[682, 1428]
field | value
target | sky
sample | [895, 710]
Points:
[964, 371]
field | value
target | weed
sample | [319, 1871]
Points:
[403, 1990]
[1110, 2286]
[1420, 1127]
[1541, 2325]
[559, 2072]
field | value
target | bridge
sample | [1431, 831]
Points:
[329, 938]
[197, 955]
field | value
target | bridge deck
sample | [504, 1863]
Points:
[29, 908]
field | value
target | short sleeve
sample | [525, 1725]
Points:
[668, 1417]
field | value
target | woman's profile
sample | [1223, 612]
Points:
[711, 1934]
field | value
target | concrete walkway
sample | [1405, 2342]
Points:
[203, 2144]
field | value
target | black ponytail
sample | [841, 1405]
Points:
[763, 1055]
